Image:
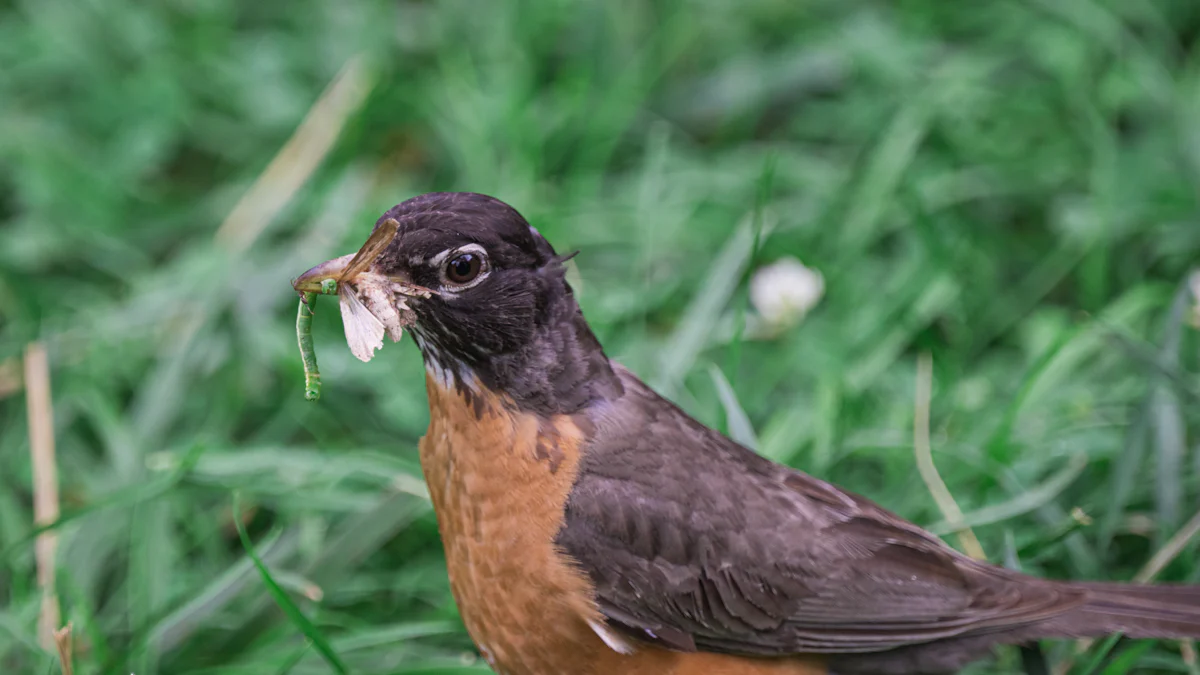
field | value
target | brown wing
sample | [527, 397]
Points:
[698, 543]
[376, 243]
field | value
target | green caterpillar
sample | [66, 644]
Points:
[308, 354]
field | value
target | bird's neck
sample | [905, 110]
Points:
[562, 369]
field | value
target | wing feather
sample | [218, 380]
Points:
[695, 542]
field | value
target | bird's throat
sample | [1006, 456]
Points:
[560, 369]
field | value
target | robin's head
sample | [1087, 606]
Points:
[500, 313]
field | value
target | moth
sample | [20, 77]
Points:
[372, 304]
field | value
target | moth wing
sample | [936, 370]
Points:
[364, 331]
[386, 306]
[376, 243]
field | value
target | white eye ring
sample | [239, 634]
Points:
[451, 287]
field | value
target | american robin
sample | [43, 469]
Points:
[592, 527]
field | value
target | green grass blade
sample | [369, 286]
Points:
[185, 620]
[1127, 660]
[1170, 430]
[1023, 503]
[282, 599]
[1099, 652]
[738, 424]
[695, 328]
[295, 659]
[132, 496]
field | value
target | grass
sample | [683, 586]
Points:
[1009, 186]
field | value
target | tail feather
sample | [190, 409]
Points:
[1162, 611]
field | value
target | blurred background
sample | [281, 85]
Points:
[1002, 199]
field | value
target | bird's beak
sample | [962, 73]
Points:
[310, 281]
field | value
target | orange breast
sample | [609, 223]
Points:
[499, 483]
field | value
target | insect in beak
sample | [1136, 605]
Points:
[371, 304]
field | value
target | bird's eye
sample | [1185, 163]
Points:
[464, 268]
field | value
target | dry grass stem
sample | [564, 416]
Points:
[298, 159]
[1187, 650]
[45, 483]
[1169, 551]
[64, 641]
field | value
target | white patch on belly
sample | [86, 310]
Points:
[615, 642]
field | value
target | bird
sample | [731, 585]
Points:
[593, 527]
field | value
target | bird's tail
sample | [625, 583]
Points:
[1162, 611]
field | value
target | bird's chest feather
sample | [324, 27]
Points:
[499, 481]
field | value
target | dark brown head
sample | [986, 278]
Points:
[501, 314]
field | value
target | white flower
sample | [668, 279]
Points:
[784, 291]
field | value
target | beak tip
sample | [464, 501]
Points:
[311, 280]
